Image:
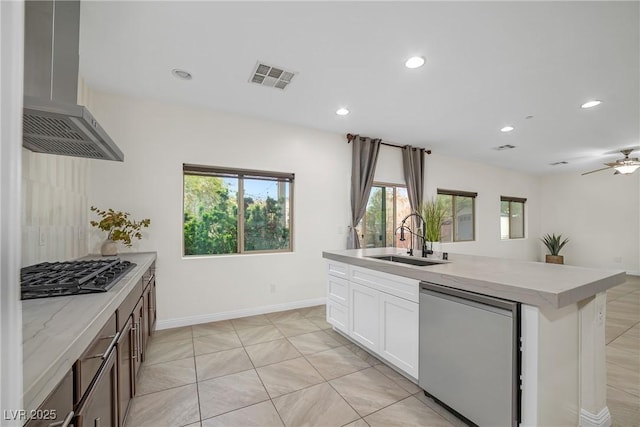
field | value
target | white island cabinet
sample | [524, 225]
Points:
[379, 311]
[562, 375]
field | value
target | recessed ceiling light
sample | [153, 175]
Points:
[342, 111]
[181, 74]
[414, 62]
[590, 104]
[507, 129]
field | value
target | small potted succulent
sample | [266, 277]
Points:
[119, 227]
[554, 244]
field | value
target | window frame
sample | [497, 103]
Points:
[512, 199]
[454, 194]
[240, 175]
[363, 230]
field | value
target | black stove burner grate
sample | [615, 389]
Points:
[72, 277]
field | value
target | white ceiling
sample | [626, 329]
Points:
[488, 64]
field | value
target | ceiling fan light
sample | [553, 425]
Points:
[626, 169]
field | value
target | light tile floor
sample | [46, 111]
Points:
[290, 369]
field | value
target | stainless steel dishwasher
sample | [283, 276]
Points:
[469, 354]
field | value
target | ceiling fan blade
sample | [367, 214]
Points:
[613, 164]
[597, 170]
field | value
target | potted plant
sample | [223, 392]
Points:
[119, 227]
[433, 213]
[554, 244]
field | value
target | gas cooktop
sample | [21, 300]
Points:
[50, 279]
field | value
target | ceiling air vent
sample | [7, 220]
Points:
[559, 163]
[268, 75]
[504, 147]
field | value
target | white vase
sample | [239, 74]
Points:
[109, 248]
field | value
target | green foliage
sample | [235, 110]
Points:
[211, 219]
[118, 225]
[265, 226]
[554, 243]
[433, 211]
[375, 218]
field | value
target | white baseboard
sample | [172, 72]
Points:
[633, 273]
[234, 314]
[601, 419]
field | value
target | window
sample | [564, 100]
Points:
[459, 219]
[388, 204]
[216, 223]
[511, 217]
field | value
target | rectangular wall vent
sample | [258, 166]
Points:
[559, 163]
[504, 147]
[269, 75]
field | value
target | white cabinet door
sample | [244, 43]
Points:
[338, 316]
[364, 315]
[399, 320]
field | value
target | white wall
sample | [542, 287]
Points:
[599, 213]
[490, 183]
[158, 138]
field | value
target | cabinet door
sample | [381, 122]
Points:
[125, 370]
[364, 315]
[144, 333]
[99, 407]
[151, 306]
[399, 320]
[136, 329]
[338, 316]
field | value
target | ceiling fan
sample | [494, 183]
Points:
[624, 166]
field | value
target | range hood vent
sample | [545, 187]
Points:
[52, 121]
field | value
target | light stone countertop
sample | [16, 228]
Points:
[57, 330]
[534, 283]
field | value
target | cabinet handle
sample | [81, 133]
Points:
[106, 352]
[134, 329]
[64, 423]
[139, 338]
[96, 422]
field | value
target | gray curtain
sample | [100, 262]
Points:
[413, 165]
[364, 156]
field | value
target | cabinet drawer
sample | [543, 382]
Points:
[126, 308]
[338, 316]
[89, 363]
[338, 269]
[401, 287]
[338, 290]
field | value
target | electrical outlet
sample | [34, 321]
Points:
[272, 288]
[42, 236]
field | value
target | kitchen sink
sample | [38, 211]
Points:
[405, 260]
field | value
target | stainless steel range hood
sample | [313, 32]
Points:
[53, 122]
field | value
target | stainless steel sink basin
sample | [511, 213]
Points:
[421, 262]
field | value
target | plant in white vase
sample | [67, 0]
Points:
[119, 228]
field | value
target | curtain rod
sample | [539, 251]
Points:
[350, 138]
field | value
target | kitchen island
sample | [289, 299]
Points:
[57, 330]
[562, 312]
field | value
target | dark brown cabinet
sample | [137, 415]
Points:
[125, 369]
[99, 407]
